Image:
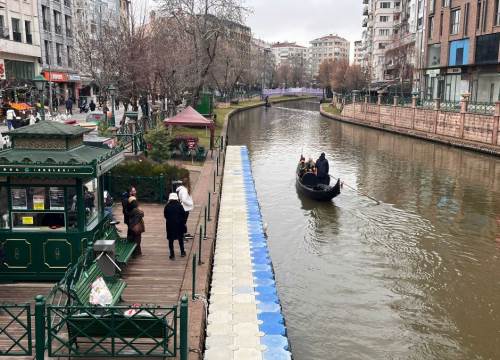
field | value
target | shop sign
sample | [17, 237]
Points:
[454, 70]
[74, 77]
[433, 72]
[2, 69]
[55, 76]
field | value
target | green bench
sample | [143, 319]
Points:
[81, 289]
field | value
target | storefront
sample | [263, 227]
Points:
[51, 199]
[64, 84]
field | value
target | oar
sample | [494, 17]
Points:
[354, 189]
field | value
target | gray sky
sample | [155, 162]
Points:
[305, 20]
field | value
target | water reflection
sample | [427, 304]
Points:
[413, 277]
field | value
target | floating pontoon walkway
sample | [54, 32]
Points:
[245, 320]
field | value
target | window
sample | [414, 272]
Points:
[459, 56]
[487, 49]
[384, 18]
[69, 57]
[90, 201]
[431, 26]
[385, 5]
[466, 19]
[383, 32]
[4, 208]
[27, 29]
[432, 5]
[67, 23]
[47, 52]
[59, 54]
[45, 18]
[4, 32]
[57, 22]
[381, 45]
[497, 19]
[455, 22]
[441, 25]
[16, 30]
[396, 17]
[397, 4]
[446, 3]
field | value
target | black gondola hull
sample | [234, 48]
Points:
[325, 193]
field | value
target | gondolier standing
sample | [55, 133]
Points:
[323, 169]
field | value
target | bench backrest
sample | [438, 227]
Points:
[82, 288]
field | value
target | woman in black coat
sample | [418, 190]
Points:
[135, 217]
[174, 217]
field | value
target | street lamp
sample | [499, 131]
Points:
[40, 82]
[112, 91]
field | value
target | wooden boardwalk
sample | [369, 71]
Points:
[151, 278]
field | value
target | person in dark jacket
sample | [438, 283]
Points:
[135, 217]
[174, 217]
[92, 105]
[125, 196]
[323, 169]
[69, 106]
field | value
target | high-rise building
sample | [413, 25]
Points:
[462, 42]
[19, 46]
[358, 53]
[331, 47]
[262, 63]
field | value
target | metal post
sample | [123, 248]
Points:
[40, 327]
[205, 223]
[208, 206]
[42, 110]
[214, 183]
[217, 166]
[161, 179]
[199, 246]
[184, 345]
[193, 290]
[112, 110]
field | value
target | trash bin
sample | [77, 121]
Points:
[105, 255]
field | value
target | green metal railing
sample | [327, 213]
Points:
[107, 332]
[134, 142]
[15, 330]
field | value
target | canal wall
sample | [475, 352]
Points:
[465, 130]
[244, 314]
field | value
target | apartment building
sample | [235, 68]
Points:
[462, 50]
[286, 52]
[358, 53]
[19, 46]
[331, 47]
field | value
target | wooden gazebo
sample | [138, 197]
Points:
[190, 117]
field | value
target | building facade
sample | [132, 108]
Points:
[262, 63]
[329, 47]
[19, 48]
[358, 53]
[462, 50]
[286, 52]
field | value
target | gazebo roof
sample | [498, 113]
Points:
[189, 117]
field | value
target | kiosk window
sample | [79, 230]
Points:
[4, 208]
[72, 221]
[90, 200]
[38, 220]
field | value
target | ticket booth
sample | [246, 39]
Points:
[51, 199]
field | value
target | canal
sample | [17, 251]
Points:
[415, 277]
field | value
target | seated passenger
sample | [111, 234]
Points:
[301, 167]
[311, 166]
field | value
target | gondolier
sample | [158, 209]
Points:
[323, 169]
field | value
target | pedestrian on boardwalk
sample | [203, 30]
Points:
[187, 203]
[69, 106]
[125, 196]
[174, 220]
[92, 105]
[135, 224]
[11, 115]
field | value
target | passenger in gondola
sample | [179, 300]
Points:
[311, 166]
[323, 169]
[301, 167]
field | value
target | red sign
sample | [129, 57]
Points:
[55, 76]
[2, 69]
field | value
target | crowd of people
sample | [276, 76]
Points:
[176, 213]
[320, 168]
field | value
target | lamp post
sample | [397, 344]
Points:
[40, 82]
[112, 91]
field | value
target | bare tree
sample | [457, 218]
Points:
[205, 22]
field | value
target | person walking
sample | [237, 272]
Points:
[135, 224]
[187, 203]
[69, 106]
[92, 105]
[11, 115]
[174, 220]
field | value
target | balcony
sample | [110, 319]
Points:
[365, 11]
[67, 3]
[29, 39]
[365, 23]
[365, 2]
[401, 41]
[59, 61]
[69, 33]
[46, 25]
[17, 36]
[58, 29]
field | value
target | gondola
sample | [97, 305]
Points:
[310, 187]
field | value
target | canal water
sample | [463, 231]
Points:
[414, 277]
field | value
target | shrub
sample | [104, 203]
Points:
[158, 141]
[146, 177]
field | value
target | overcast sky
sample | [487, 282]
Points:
[305, 20]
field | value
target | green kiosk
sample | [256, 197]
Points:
[51, 199]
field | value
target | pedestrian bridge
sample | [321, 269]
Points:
[293, 92]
